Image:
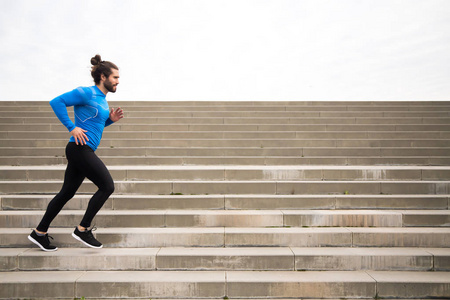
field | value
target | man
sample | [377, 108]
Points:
[92, 115]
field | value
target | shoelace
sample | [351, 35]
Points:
[48, 238]
[93, 228]
[89, 232]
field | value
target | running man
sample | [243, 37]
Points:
[92, 115]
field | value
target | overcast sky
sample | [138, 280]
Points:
[229, 50]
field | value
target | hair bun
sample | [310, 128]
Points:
[96, 60]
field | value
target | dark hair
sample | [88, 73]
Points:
[100, 67]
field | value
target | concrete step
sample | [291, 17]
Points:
[204, 187]
[366, 218]
[347, 135]
[304, 119]
[134, 113]
[78, 259]
[149, 218]
[225, 284]
[430, 237]
[255, 106]
[236, 202]
[235, 218]
[244, 143]
[242, 127]
[299, 152]
[232, 160]
[211, 106]
[234, 173]
[226, 259]
[194, 103]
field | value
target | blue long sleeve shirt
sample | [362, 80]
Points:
[91, 112]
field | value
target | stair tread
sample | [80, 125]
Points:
[235, 167]
[241, 251]
[232, 276]
[246, 230]
[237, 212]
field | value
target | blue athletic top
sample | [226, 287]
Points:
[91, 112]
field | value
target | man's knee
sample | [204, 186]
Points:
[108, 188]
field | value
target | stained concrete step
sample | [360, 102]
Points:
[241, 187]
[248, 120]
[366, 218]
[221, 284]
[133, 113]
[430, 237]
[233, 173]
[195, 103]
[232, 160]
[110, 133]
[211, 106]
[236, 202]
[201, 152]
[204, 187]
[242, 127]
[235, 218]
[149, 218]
[244, 143]
[235, 106]
[226, 259]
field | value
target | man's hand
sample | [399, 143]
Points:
[116, 115]
[80, 136]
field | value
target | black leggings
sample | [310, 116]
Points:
[82, 163]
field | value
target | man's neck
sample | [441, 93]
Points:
[102, 88]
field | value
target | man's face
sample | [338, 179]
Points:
[112, 81]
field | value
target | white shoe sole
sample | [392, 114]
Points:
[40, 246]
[79, 239]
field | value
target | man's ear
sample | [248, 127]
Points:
[103, 77]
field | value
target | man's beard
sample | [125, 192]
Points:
[109, 86]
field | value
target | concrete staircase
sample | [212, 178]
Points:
[236, 200]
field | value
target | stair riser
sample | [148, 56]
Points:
[162, 290]
[82, 263]
[233, 203]
[90, 285]
[253, 161]
[146, 221]
[352, 263]
[337, 203]
[77, 203]
[301, 119]
[203, 259]
[338, 240]
[243, 187]
[240, 220]
[243, 143]
[146, 103]
[332, 237]
[200, 153]
[250, 106]
[339, 136]
[230, 174]
[242, 127]
[132, 113]
[264, 161]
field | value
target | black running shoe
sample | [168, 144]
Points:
[42, 241]
[87, 238]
